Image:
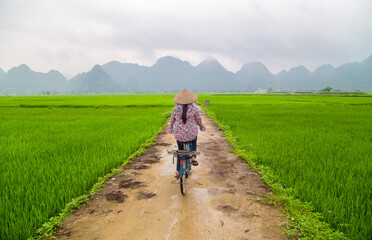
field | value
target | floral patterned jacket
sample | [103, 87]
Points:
[188, 131]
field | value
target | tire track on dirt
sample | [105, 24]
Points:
[223, 199]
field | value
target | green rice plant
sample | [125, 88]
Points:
[281, 99]
[49, 156]
[322, 151]
[118, 100]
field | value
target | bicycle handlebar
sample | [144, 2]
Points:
[183, 152]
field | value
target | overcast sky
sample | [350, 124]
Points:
[73, 35]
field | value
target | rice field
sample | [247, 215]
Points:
[319, 146]
[56, 148]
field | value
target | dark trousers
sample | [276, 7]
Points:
[181, 147]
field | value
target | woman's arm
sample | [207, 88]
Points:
[199, 121]
[173, 118]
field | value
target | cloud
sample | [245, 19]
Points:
[72, 36]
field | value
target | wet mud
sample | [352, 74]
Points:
[115, 196]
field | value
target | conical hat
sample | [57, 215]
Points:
[185, 97]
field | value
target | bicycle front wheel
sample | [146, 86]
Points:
[183, 183]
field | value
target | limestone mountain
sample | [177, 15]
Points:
[353, 76]
[170, 74]
[132, 77]
[55, 79]
[2, 73]
[210, 75]
[96, 81]
[321, 76]
[296, 78]
[22, 80]
[75, 83]
[253, 76]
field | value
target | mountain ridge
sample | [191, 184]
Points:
[169, 74]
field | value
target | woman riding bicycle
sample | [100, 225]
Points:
[185, 120]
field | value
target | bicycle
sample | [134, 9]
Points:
[183, 164]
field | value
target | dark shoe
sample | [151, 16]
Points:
[194, 163]
[177, 176]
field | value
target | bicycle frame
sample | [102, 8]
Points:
[183, 164]
[184, 161]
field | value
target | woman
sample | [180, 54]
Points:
[185, 120]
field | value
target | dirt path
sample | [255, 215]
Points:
[223, 200]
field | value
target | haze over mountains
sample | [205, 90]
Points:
[169, 74]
